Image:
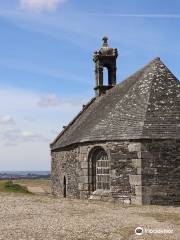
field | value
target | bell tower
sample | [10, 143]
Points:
[105, 58]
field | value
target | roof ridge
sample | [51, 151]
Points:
[159, 61]
[159, 76]
[141, 70]
[155, 60]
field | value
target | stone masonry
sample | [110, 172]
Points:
[140, 173]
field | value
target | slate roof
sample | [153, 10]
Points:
[144, 106]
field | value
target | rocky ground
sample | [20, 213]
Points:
[36, 217]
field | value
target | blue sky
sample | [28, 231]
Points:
[46, 67]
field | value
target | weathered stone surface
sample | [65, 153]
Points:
[136, 163]
[84, 164]
[154, 179]
[66, 164]
[136, 200]
[134, 147]
[138, 190]
[161, 172]
[135, 179]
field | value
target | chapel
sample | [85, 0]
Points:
[124, 144]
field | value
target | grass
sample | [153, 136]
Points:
[45, 184]
[34, 182]
[9, 186]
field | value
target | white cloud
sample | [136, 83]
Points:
[49, 101]
[52, 100]
[6, 120]
[40, 5]
[15, 136]
[27, 134]
[30, 119]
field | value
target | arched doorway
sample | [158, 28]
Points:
[64, 187]
[99, 167]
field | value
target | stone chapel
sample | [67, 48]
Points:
[124, 144]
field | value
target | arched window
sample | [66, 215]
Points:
[99, 170]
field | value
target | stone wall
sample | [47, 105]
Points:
[140, 173]
[161, 172]
[65, 164]
[74, 163]
[126, 171]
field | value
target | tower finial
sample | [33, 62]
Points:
[105, 41]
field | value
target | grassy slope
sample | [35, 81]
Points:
[45, 184]
[9, 186]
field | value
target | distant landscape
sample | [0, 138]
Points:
[24, 174]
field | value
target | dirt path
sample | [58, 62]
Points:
[31, 217]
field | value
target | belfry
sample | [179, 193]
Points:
[105, 58]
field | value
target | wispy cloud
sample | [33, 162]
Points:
[49, 101]
[139, 15]
[60, 74]
[6, 120]
[36, 120]
[30, 119]
[52, 100]
[40, 5]
[15, 136]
